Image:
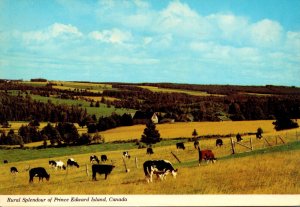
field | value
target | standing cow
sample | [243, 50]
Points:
[103, 158]
[71, 162]
[13, 170]
[158, 167]
[206, 155]
[101, 169]
[126, 154]
[149, 151]
[94, 158]
[196, 144]
[39, 172]
[180, 145]
[239, 137]
[219, 142]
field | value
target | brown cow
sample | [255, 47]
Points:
[206, 155]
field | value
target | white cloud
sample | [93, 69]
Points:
[114, 36]
[266, 33]
[180, 19]
[293, 42]
[57, 30]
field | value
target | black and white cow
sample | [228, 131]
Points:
[13, 170]
[71, 162]
[103, 158]
[126, 154]
[39, 172]
[57, 164]
[149, 151]
[180, 145]
[94, 158]
[219, 142]
[101, 169]
[159, 167]
[52, 163]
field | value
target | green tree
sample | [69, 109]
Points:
[195, 134]
[284, 122]
[151, 135]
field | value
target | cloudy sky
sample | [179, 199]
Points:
[245, 42]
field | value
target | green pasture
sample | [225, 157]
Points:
[102, 110]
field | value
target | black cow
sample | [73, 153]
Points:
[258, 135]
[38, 172]
[94, 158]
[180, 145]
[71, 162]
[103, 158]
[13, 170]
[159, 167]
[239, 137]
[126, 154]
[5, 161]
[149, 151]
[219, 142]
[101, 169]
[196, 144]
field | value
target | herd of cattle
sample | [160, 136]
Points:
[160, 168]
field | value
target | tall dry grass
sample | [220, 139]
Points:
[271, 173]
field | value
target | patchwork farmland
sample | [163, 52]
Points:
[268, 165]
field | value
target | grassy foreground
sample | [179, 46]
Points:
[270, 171]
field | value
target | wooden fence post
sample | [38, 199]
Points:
[86, 170]
[232, 145]
[251, 143]
[136, 162]
[175, 157]
[126, 169]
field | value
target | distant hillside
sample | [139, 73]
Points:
[181, 102]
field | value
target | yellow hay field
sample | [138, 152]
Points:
[168, 90]
[181, 129]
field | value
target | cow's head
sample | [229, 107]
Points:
[174, 173]
[48, 177]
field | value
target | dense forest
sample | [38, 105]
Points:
[232, 102]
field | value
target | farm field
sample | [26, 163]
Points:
[168, 90]
[266, 172]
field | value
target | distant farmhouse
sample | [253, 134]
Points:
[144, 117]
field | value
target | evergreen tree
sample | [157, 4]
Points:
[151, 134]
[195, 133]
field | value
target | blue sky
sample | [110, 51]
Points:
[244, 42]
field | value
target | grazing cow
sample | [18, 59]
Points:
[101, 169]
[57, 164]
[52, 163]
[149, 151]
[219, 142]
[94, 158]
[206, 155]
[180, 145]
[196, 144]
[71, 162]
[5, 161]
[39, 172]
[13, 170]
[103, 158]
[126, 154]
[159, 167]
[60, 165]
[238, 137]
